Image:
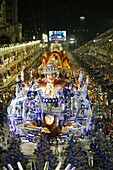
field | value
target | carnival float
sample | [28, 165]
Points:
[55, 103]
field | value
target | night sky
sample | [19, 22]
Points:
[43, 15]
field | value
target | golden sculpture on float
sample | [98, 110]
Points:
[57, 57]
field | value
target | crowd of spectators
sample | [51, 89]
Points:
[102, 45]
[13, 62]
[101, 73]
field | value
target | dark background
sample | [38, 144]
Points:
[40, 16]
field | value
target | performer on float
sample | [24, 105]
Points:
[85, 89]
[66, 66]
[80, 79]
[17, 87]
[44, 62]
[66, 63]
[51, 127]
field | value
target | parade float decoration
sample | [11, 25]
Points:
[56, 103]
